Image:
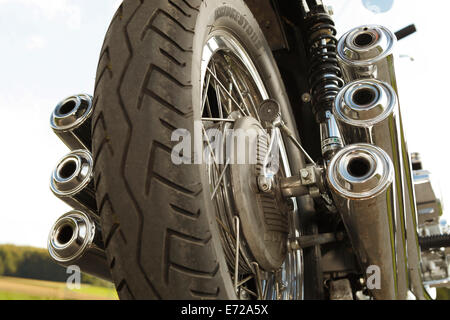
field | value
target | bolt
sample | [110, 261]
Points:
[264, 184]
[361, 281]
[306, 97]
[305, 174]
[244, 295]
[294, 245]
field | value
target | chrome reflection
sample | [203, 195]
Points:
[71, 121]
[72, 181]
[368, 52]
[75, 239]
[360, 178]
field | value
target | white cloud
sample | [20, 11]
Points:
[36, 43]
[52, 9]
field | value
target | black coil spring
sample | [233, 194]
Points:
[325, 76]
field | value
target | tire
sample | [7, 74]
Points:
[160, 235]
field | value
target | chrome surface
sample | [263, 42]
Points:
[330, 136]
[72, 181]
[293, 187]
[367, 112]
[71, 121]
[361, 178]
[75, 239]
[368, 52]
[232, 91]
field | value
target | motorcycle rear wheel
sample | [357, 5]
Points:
[159, 225]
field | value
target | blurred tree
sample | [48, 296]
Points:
[35, 263]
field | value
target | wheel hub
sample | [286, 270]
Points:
[263, 214]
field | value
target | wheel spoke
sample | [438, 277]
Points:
[219, 100]
[237, 246]
[238, 91]
[225, 90]
[245, 280]
[225, 229]
[250, 292]
[208, 142]
[258, 280]
[205, 93]
[220, 179]
[208, 106]
[218, 120]
[230, 103]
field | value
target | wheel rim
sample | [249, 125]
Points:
[232, 88]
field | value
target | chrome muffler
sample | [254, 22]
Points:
[367, 112]
[360, 178]
[75, 240]
[71, 121]
[367, 52]
[72, 181]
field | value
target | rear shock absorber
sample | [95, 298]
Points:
[325, 76]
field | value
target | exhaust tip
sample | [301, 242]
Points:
[73, 173]
[70, 236]
[71, 112]
[365, 103]
[364, 39]
[366, 45]
[360, 171]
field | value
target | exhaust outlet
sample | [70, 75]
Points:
[72, 181]
[360, 178]
[71, 121]
[75, 239]
[368, 52]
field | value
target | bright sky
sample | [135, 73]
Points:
[50, 50]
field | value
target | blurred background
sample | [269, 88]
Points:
[50, 49]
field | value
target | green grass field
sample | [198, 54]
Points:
[26, 289]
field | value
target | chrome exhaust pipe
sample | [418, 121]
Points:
[367, 52]
[72, 181]
[367, 112]
[360, 178]
[71, 121]
[75, 240]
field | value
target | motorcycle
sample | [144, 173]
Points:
[238, 150]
